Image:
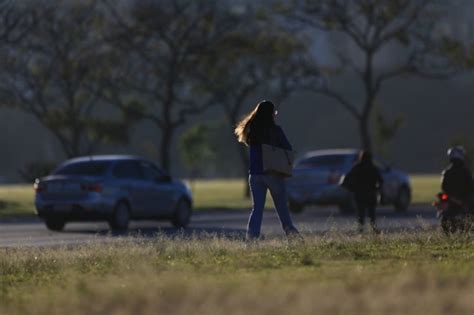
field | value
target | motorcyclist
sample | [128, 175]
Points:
[457, 179]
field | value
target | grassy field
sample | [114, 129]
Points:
[407, 274]
[425, 187]
[17, 200]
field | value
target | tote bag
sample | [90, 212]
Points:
[277, 160]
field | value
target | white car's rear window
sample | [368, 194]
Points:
[89, 168]
[333, 161]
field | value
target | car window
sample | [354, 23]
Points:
[128, 170]
[89, 168]
[151, 172]
[333, 161]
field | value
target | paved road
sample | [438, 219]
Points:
[227, 222]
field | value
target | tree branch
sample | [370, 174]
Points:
[350, 107]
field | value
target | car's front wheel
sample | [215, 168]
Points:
[55, 224]
[121, 217]
[182, 214]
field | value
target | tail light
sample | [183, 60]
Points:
[95, 187]
[39, 187]
[443, 198]
[334, 178]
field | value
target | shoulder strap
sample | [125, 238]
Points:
[273, 137]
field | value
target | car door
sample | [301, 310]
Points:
[130, 179]
[309, 177]
[160, 198]
[323, 175]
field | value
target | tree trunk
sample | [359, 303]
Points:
[242, 151]
[365, 136]
[370, 93]
[244, 159]
[165, 148]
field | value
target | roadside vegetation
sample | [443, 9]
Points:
[16, 201]
[425, 187]
[424, 273]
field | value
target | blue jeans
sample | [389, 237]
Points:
[259, 184]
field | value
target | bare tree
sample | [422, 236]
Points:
[54, 75]
[162, 43]
[374, 27]
[258, 57]
[15, 21]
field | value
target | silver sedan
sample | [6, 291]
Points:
[317, 174]
[113, 188]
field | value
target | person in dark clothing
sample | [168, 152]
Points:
[257, 128]
[457, 179]
[363, 180]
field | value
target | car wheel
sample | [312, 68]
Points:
[182, 214]
[403, 199]
[54, 224]
[121, 217]
[295, 207]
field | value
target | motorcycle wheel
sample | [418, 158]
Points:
[467, 224]
[450, 225]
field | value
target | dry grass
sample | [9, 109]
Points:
[334, 274]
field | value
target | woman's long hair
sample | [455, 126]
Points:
[252, 128]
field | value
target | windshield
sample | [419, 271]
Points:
[89, 168]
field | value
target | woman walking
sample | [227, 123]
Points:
[257, 128]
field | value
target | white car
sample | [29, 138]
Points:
[113, 188]
[316, 178]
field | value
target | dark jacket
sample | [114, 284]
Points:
[275, 136]
[363, 180]
[457, 181]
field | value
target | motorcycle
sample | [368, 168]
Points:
[454, 215]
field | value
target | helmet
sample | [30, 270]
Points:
[457, 152]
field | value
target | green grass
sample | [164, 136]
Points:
[425, 187]
[17, 200]
[335, 274]
[222, 194]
